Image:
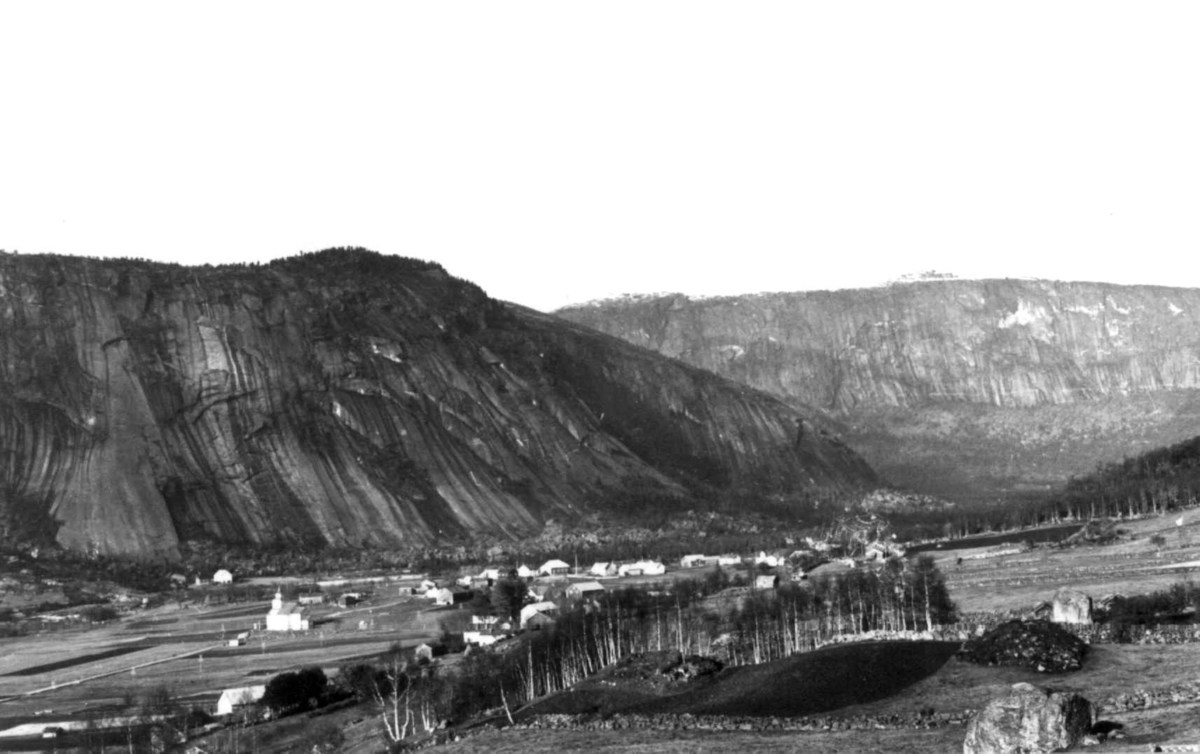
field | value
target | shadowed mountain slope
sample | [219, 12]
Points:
[348, 398]
[955, 387]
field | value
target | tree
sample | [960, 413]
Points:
[508, 597]
[299, 690]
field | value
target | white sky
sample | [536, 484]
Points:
[555, 152]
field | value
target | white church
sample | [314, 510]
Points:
[286, 617]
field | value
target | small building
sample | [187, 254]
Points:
[554, 568]
[770, 561]
[481, 638]
[525, 572]
[729, 560]
[446, 596]
[696, 561]
[537, 608]
[766, 581]
[232, 699]
[489, 574]
[484, 621]
[603, 569]
[642, 568]
[425, 588]
[423, 652]
[289, 616]
[310, 599]
[538, 621]
[585, 589]
[240, 639]
[222, 577]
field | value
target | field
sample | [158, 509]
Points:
[66, 678]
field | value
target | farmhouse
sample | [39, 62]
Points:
[642, 568]
[728, 560]
[445, 596]
[696, 561]
[231, 699]
[554, 568]
[603, 569]
[288, 616]
[481, 638]
[585, 589]
[766, 581]
[537, 608]
[222, 577]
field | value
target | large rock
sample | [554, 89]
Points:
[1071, 606]
[1029, 720]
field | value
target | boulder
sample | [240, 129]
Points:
[1072, 606]
[1029, 720]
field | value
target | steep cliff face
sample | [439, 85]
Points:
[1004, 382]
[348, 398]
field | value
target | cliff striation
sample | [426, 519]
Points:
[997, 384]
[349, 398]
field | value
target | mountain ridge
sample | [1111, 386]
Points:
[350, 398]
[917, 369]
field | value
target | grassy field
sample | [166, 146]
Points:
[74, 675]
[1131, 566]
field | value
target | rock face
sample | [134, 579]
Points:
[987, 384]
[350, 398]
[1071, 606]
[1029, 720]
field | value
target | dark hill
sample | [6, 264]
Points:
[351, 398]
[808, 683]
[964, 388]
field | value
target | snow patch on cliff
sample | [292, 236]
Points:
[1089, 310]
[1024, 315]
[1174, 309]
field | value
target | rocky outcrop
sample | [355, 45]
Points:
[965, 387]
[349, 398]
[1071, 606]
[1029, 720]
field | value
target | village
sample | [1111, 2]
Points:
[215, 653]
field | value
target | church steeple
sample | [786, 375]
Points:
[277, 603]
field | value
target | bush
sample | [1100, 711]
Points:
[1037, 645]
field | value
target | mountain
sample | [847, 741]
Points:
[350, 398]
[970, 388]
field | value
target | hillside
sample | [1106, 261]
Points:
[350, 398]
[970, 388]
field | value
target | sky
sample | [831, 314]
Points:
[557, 152]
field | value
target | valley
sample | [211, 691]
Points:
[301, 506]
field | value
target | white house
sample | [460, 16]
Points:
[728, 560]
[222, 577]
[603, 569]
[287, 616]
[537, 608]
[766, 581]
[231, 699]
[696, 561]
[771, 561]
[585, 589]
[554, 568]
[642, 568]
[484, 621]
[525, 572]
[491, 574]
[480, 638]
